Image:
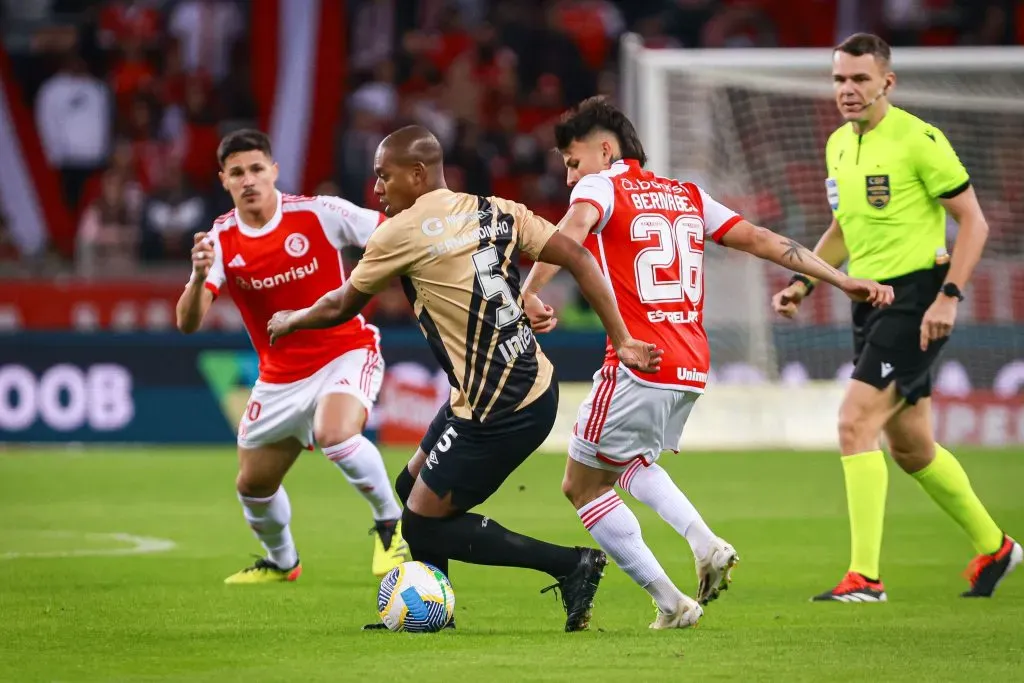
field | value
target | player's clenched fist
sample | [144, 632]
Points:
[542, 317]
[787, 302]
[202, 255]
[279, 326]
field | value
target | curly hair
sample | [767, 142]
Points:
[595, 113]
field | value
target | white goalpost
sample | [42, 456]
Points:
[749, 126]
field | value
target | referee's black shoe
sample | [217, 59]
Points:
[579, 588]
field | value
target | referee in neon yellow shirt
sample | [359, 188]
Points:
[891, 179]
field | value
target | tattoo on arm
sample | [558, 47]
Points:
[795, 253]
[793, 249]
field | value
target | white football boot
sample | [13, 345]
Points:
[714, 570]
[686, 614]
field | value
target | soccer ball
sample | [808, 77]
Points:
[416, 597]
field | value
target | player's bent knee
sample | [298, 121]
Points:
[252, 485]
[911, 443]
[339, 417]
[912, 460]
[424, 502]
[583, 483]
[336, 434]
[579, 491]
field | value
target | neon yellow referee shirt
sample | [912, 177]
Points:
[884, 189]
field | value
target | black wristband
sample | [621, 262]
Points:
[806, 282]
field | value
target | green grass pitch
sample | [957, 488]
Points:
[68, 614]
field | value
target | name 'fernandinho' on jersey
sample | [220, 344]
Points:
[485, 231]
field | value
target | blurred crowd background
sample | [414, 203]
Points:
[130, 97]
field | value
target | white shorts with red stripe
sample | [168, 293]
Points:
[278, 411]
[623, 420]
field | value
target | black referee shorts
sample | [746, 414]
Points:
[473, 459]
[887, 341]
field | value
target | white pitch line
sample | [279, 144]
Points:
[139, 545]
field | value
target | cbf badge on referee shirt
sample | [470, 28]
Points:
[877, 188]
[832, 190]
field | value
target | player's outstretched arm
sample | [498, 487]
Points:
[576, 224]
[334, 308]
[566, 253]
[789, 253]
[196, 300]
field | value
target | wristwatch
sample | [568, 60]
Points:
[952, 291]
[808, 285]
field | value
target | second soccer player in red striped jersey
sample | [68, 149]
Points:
[648, 234]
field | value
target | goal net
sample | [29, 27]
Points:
[750, 126]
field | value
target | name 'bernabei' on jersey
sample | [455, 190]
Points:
[649, 243]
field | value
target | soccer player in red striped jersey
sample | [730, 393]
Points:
[648, 234]
[275, 251]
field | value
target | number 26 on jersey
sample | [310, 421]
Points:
[682, 240]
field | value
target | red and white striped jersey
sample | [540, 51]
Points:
[649, 243]
[288, 264]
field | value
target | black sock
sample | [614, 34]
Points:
[403, 485]
[469, 537]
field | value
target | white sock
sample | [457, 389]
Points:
[617, 530]
[653, 487]
[665, 594]
[269, 518]
[364, 468]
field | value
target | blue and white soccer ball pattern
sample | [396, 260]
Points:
[416, 597]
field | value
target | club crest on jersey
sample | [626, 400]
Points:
[432, 227]
[878, 190]
[296, 245]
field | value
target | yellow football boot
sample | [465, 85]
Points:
[265, 571]
[389, 548]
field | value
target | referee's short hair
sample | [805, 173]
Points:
[866, 44]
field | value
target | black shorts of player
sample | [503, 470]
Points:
[887, 341]
[473, 459]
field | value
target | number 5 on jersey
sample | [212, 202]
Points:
[493, 284]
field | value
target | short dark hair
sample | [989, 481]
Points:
[244, 140]
[595, 113]
[865, 44]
